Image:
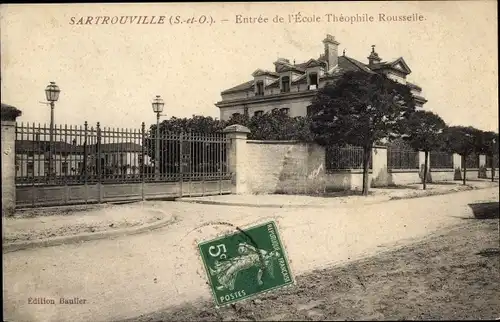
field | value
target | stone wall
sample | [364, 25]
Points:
[8, 118]
[298, 167]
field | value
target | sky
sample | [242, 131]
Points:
[111, 73]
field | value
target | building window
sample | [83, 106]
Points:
[245, 110]
[285, 110]
[235, 114]
[64, 167]
[30, 169]
[258, 113]
[285, 84]
[46, 166]
[260, 88]
[309, 110]
[313, 80]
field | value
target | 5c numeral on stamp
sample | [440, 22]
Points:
[218, 251]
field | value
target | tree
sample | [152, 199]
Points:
[360, 108]
[487, 143]
[170, 134]
[277, 125]
[463, 141]
[424, 133]
[240, 119]
[274, 125]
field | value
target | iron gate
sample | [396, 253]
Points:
[82, 164]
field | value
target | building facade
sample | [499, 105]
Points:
[291, 87]
[33, 158]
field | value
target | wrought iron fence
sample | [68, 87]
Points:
[492, 161]
[402, 159]
[440, 160]
[87, 154]
[472, 161]
[344, 158]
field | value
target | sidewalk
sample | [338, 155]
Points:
[340, 199]
[62, 225]
[58, 225]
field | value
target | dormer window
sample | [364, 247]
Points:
[260, 88]
[313, 80]
[285, 84]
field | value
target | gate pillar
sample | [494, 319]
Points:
[237, 155]
[8, 118]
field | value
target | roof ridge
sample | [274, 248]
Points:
[354, 61]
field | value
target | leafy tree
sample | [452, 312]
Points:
[360, 108]
[194, 124]
[487, 143]
[277, 125]
[240, 119]
[170, 148]
[424, 133]
[463, 141]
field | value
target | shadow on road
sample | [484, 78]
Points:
[485, 210]
[489, 252]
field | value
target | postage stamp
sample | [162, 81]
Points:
[246, 263]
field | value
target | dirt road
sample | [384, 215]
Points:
[130, 276]
[451, 276]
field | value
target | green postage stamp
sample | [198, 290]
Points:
[246, 263]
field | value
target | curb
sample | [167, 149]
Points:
[432, 194]
[242, 204]
[299, 206]
[387, 199]
[73, 239]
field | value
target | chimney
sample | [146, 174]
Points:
[373, 58]
[331, 51]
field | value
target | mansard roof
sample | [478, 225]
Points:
[289, 67]
[261, 72]
[398, 64]
[242, 87]
[345, 63]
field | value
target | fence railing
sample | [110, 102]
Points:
[402, 159]
[87, 154]
[472, 161]
[440, 160]
[492, 161]
[344, 158]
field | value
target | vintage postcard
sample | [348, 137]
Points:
[250, 161]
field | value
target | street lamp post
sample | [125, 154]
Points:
[158, 104]
[495, 147]
[52, 93]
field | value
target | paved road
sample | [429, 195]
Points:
[138, 274]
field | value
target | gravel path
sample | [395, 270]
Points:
[451, 276]
[344, 198]
[51, 222]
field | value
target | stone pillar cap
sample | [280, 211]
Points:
[236, 128]
[9, 113]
